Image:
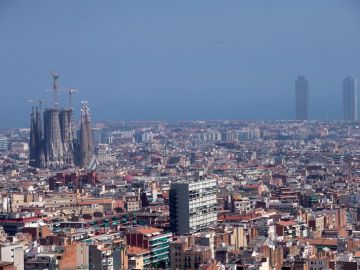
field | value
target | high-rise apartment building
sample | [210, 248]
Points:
[301, 98]
[193, 205]
[350, 99]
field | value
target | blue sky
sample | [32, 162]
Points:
[178, 60]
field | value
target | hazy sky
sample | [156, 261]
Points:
[178, 60]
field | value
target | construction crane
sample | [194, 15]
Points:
[71, 92]
[39, 101]
[55, 88]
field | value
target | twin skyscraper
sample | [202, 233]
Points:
[349, 94]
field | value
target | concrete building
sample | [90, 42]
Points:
[108, 256]
[206, 239]
[46, 260]
[350, 99]
[155, 241]
[4, 143]
[187, 255]
[193, 205]
[132, 202]
[13, 253]
[19, 147]
[103, 153]
[138, 257]
[301, 98]
[7, 266]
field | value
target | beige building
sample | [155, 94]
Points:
[136, 257]
[132, 203]
[185, 255]
[232, 236]
[13, 253]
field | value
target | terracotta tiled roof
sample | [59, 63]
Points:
[286, 223]
[136, 251]
[148, 230]
[95, 201]
[321, 241]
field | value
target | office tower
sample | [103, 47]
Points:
[193, 205]
[350, 99]
[85, 149]
[301, 97]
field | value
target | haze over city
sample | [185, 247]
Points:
[179, 135]
[179, 60]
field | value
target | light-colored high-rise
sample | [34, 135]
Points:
[301, 98]
[350, 99]
[193, 205]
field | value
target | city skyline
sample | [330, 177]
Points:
[222, 135]
[305, 111]
[301, 111]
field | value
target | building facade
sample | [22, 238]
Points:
[301, 98]
[193, 205]
[155, 241]
[350, 99]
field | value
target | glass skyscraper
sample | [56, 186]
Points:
[301, 98]
[350, 99]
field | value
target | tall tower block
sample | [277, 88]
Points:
[350, 99]
[301, 98]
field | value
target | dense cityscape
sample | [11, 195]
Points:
[207, 195]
